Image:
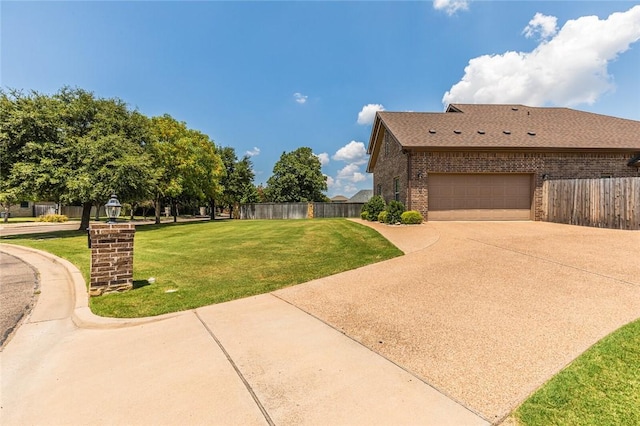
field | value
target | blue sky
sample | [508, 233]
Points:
[268, 77]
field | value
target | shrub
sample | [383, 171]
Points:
[364, 215]
[52, 218]
[382, 217]
[394, 211]
[373, 207]
[411, 217]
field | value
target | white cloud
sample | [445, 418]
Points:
[353, 152]
[351, 173]
[252, 153]
[368, 113]
[300, 98]
[350, 189]
[542, 25]
[324, 158]
[451, 6]
[330, 182]
[566, 70]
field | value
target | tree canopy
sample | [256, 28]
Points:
[297, 177]
[73, 147]
[238, 182]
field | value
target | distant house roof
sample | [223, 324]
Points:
[469, 126]
[361, 196]
[339, 199]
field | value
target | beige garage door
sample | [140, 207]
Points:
[479, 196]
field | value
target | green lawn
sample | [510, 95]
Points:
[601, 387]
[196, 264]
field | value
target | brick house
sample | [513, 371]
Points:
[488, 162]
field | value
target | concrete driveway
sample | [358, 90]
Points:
[458, 331]
[485, 312]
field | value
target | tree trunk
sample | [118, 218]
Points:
[175, 211]
[86, 216]
[212, 208]
[133, 209]
[157, 211]
[97, 218]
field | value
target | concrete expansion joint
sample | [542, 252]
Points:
[411, 373]
[544, 259]
[237, 370]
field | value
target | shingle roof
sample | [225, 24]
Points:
[509, 126]
[361, 196]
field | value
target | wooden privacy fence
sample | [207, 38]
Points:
[603, 203]
[299, 210]
[76, 211]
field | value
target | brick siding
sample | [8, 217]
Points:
[414, 167]
[392, 163]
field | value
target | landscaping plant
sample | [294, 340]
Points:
[373, 207]
[411, 217]
[394, 212]
[52, 218]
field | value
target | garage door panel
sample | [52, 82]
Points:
[479, 196]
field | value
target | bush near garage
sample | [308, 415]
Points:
[394, 212]
[411, 217]
[373, 207]
[382, 217]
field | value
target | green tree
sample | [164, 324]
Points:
[33, 147]
[8, 198]
[186, 163]
[72, 148]
[297, 177]
[238, 182]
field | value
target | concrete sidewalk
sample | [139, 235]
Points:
[258, 360]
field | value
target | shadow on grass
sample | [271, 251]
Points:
[45, 235]
[140, 227]
[153, 226]
[140, 284]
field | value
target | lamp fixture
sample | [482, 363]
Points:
[112, 208]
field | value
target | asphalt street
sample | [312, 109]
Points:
[17, 293]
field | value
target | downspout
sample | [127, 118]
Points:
[409, 181]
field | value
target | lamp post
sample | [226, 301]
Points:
[111, 247]
[112, 208]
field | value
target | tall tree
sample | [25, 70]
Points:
[238, 184]
[33, 147]
[108, 153]
[186, 161]
[297, 176]
[73, 148]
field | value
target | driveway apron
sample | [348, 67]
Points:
[486, 312]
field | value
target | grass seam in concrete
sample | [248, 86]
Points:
[237, 370]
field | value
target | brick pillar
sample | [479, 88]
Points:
[111, 257]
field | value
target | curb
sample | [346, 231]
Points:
[81, 314]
